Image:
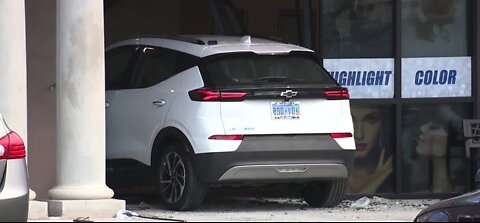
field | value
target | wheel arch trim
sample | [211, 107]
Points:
[165, 137]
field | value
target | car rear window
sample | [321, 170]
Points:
[258, 70]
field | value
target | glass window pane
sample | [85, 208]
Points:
[433, 148]
[437, 25]
[117, 64]
[357, 29]
[251, 69]
[157, 65]
[374, 158]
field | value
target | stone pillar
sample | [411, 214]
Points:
[80, 188]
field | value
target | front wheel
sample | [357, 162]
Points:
[324, 194]
[179, 187]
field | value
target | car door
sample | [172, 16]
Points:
[119, 67]
[141, 110]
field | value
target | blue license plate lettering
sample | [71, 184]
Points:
[285, 110]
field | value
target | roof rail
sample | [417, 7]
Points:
[171, 37]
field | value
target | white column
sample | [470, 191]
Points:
[13, 67]
[81, 188]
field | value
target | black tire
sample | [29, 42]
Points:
[179, 189]
[326, 194]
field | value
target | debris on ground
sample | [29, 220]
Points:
[82, 219]
[291, 209]
[380, 201]
[124, 214]
[379, 204]
[362, 203]
[133, 215]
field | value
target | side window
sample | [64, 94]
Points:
[118, 67]
[156, 66]
[159, 64]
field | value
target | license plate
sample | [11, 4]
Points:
[285, 110]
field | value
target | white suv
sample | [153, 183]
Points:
[200, 111]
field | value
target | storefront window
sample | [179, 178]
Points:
[434, 28]
[435, 49]
[374, 158]
[357, 29]
[356, 39]
[433, 148]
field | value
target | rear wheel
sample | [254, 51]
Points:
[324, 194]
[179, 187]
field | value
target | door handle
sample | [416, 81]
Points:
[159, 103]
[107, 104]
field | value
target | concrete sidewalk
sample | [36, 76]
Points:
[96, 220]
[228, 206]
[308, 216]
[120, 218]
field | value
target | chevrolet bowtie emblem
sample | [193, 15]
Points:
[289, 94]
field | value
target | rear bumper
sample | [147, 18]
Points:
[14, 192]
[283, 159]
[285, 172]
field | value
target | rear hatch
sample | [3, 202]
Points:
[277, 94]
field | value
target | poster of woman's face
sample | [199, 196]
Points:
[373, 171]
[367, 130]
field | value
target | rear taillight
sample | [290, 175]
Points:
[226, 137]
[341, 135]
[12, 147]
[337, 94]
[209, 95]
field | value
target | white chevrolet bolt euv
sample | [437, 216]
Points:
[206, 111]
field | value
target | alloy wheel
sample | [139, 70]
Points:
[172, 177]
